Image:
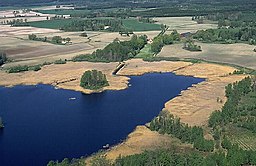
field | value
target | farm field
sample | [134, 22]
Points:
[132, 24]
[51, 24]
[238, 54]
[244, 138]
[26, 52]
[135, 25]
[64, 11]
[183, 24]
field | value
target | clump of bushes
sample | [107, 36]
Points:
[116, 51]
[191, 46]
[54, 39]
[60, 61]
[84, 34]
[19, 68]
[34, 68]
[93, 79]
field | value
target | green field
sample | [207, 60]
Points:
[128, 23]
[135, 25]
[52, 24]
[145, 52]
[244, 138]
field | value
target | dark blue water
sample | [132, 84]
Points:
[42, 124]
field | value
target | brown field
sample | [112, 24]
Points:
[9, 14]
[8, 31]
[23, 51]
[238, 54]
[183, 24]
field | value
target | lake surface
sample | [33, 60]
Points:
[43, 124]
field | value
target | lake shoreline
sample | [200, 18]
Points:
[187, 106]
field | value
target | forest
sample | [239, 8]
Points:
[93, 80]
[166, 123]
[240, 106]
[116, 51]
[233, 27]
[227, 35]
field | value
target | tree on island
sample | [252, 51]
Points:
[93, 79]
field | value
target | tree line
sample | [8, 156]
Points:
[116, 51]
[53, 40]
[23, 68]
[164, 39]
[232, 27]
[227, 35]
[231, 109]
[166, 123]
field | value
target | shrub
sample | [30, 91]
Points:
[17, 69]
[60, 61]
[35, 68]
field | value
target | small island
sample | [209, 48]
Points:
[93, 80]
[3, 58]
[1, 123]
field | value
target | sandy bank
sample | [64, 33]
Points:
[65, 76]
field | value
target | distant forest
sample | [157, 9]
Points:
[94, 4]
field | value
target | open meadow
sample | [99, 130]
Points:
[183, 24]
[238, 54]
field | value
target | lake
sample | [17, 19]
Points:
[43, 123]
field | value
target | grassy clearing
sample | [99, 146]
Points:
[237, 54]
[135, 25]
[244, 138]
[145, 52]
